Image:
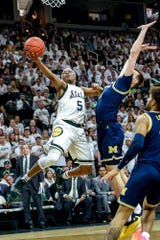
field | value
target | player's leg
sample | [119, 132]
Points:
[58, 143]
[81, 152]
[80, 170]
[134, 221]
[148, 218]
[117, 182]
[44, 162]
[118, 222]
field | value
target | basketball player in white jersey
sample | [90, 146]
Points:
[68, 133]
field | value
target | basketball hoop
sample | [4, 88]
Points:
[53, 3]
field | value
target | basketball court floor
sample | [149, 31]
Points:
[73, 233]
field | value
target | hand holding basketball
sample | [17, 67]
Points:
[35, 46]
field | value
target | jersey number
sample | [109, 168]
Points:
[79, 106]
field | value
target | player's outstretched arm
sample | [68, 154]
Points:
[57, 82]
[136, 48]
[95, 90]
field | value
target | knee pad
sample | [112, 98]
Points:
[50, 159]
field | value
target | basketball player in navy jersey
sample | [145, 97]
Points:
[109, 132]
[144, 182]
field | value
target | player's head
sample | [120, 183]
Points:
[137, 78]
[69, 76]
[153, 102]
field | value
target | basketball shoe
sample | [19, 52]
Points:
[130, 227]
[59, 180]
[16, 189]
[137, 235]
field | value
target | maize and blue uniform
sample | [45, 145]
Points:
[145, 177]
[110, 133]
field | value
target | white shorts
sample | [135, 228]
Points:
[68, 138]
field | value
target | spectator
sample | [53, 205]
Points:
[32, 122]
[14, 144]
[39, 85]
[5, 150]
[122, 111]
[37, 99]
[138, 101]
[96, 198]
[42, 117]
[4, 115]
[4, 191]
[33, 130]
[7, 168]
[107, 193]
[18, 150]
[45, 137]
[30, 140]
[25, 162]
[11, 126]
[17, 133]
[23, 108]
[49, 179]
[38, 149]
[74, 196]
[3, 87]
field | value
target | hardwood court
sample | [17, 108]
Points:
[80, 233]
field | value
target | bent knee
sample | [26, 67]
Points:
[51, 159]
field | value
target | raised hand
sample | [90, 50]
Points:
[146, 26]
[148, 47]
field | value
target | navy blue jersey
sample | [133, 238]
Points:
[151, 150]
[145, 177]
[110, 133]
[111, 98]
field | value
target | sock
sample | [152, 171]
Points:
[129, 219]
[26, 178]
[65, 175]
[146, 235]
[138, 210]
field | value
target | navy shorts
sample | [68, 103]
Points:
[143, 182]
[110, 141]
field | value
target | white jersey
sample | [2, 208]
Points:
[68, 134]
[71, 106]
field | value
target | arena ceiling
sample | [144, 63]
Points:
[100, 5]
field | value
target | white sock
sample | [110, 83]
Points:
[65, 175]
[146, 235]
[138, 209]
[26, 178]
[129, 219]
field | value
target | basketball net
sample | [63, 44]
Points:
[53, 3]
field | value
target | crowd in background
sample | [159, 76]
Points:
[28, 101]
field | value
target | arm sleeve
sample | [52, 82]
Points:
[133, 150]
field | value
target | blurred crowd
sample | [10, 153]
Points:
[28, 106]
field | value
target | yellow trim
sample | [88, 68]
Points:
[124, 204]
[111, 159]
[150, 122]
[150, 205]
[120, 92]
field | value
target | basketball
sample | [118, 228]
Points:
[34, 45]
